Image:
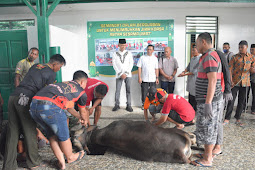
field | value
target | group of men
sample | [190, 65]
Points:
[39, 99]
[149, 69]
[212, 76]
[242, 69]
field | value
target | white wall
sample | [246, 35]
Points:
[235, 24]
[70, 46]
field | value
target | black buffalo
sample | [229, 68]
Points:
[139, 140]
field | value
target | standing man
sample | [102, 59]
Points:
[20, 120]
[168, 68]
[209, 99]
[191, 72]
[122, 62]
[147, 72]
[252, 50]
[226, 51]
[240, 65]
[96, 91]
[24, 65]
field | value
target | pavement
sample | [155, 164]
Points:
[238, 149]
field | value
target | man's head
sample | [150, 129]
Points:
[226, 47]
[57, 61]
[161, 96]
[194, 50]
[150, 50]
[81, 78]
[122, 44]
[33, 54]
[167, 52]
[151, 93]
[252, 49]
[100, 91]
[204, 42]
[243, 45]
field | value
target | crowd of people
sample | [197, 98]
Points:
[213, 77]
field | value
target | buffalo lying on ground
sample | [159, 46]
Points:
[139, 140]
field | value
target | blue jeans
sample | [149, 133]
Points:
[168, 86]
[51, 118]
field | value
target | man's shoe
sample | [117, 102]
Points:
[115, 108]
[129, 108]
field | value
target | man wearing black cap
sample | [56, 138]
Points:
[122, 62]
[252, 50]
[151, 104]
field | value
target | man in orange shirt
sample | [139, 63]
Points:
[150, 103]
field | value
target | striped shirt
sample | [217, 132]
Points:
[209, 62]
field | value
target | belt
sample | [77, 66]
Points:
[44, 102]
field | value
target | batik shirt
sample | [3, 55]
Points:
[240, 69]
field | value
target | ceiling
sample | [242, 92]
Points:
[128, 5]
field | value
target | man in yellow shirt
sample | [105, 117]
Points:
[24, 65]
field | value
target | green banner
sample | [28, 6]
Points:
[103, 37]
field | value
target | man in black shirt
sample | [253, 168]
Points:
[19, 119]
[47, 109]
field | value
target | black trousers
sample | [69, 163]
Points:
[241, 101]
[192, 101]
[144, 87]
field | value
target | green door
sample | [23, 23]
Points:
[13, 48]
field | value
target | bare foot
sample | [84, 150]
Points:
[61, 165]
[202, 163]
[225, 122]
[216, 151]
[76, 156]
[180, 126]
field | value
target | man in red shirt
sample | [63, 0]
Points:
[175, 109]
[95, 90]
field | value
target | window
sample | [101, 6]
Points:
[196, 25]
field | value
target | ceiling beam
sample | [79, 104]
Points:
[9, 3]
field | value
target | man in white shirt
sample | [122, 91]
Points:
[122, 62]
[148, 71]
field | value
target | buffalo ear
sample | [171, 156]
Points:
[91, 128]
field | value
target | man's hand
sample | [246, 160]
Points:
[123, 76]
[232, 84]
[90, 111]
[23, 99]
[84, 117]
[228, 97]
[208, 111]
[252, 69]
[157, 81]
[181, 75]
[140, 80]
[170, 77]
